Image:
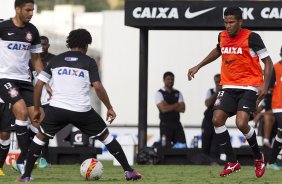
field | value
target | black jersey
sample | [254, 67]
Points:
[72, 74]
[16, 44]
[170, 98]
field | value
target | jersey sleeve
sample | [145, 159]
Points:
[46, 74]
[180, 99]
[36, 43]
[158, 97]
[256, 45]
[93, 71]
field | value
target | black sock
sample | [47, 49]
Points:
[23, 142]
[44, 152]
[33, 154]
[254, 145]
[116, 150]
[275, 151]
[223, 140]
[4, 150]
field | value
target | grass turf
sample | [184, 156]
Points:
[152, 174]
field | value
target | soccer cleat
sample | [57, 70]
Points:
[25, 179]
[230, 167]
[1, 172]
[132, 175]
[273, 166]
[42, 163]
[260, 166]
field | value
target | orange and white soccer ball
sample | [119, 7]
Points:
[91, 169]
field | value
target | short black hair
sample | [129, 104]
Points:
[281, 50]
[80, 38]
[234, 10]
[44, 38]
[21, 3]
[168, 74]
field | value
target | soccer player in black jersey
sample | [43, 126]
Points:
[73, 73]
[19, 42]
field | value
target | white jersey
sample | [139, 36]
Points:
[72, 74]
[16, 44]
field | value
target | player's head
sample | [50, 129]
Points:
[168, 78]
[44, 43]
[233, 20]
[79, 38]
[24, 10]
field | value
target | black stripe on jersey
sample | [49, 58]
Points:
[75, 59]
[10, 32]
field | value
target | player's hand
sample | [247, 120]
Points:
[111, 115]
[36, 118]
[192, 72]
[261, 94]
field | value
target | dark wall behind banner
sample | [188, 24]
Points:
[201, 15]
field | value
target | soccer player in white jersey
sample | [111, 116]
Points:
[19, 41]
[73, 73]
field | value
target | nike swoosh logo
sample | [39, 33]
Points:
[245, 107]
[10, 34]
[12, 125]
[190, 15]
[21, 133]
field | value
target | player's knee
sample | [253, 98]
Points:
[107, 139]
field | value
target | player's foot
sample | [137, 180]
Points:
[230, 167]
[260, 166]
[132, 175]
[14, 165]
[25, 179]
[273, 166]
[1, 172]
[42, 163]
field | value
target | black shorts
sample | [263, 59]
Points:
[174, 132]
[278, 119]
[233, 100]
[12, 91]
[88, 122]
[7, 118]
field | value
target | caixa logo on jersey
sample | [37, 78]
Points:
[18, 46]
[71, 72]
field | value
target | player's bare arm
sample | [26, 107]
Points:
[37, 102]
[36, 62]
[213, 55]
[165, 107]
[268, 67]
[103, 96]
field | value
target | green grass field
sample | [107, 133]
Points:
[152, 174]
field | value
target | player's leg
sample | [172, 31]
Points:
[93, 125]
[277, 143]
[225, 106]
[246, 106]
[4, 149]
[53, 122]
[267, 127]
[11, 93]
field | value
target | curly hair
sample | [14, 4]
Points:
[80, 38]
